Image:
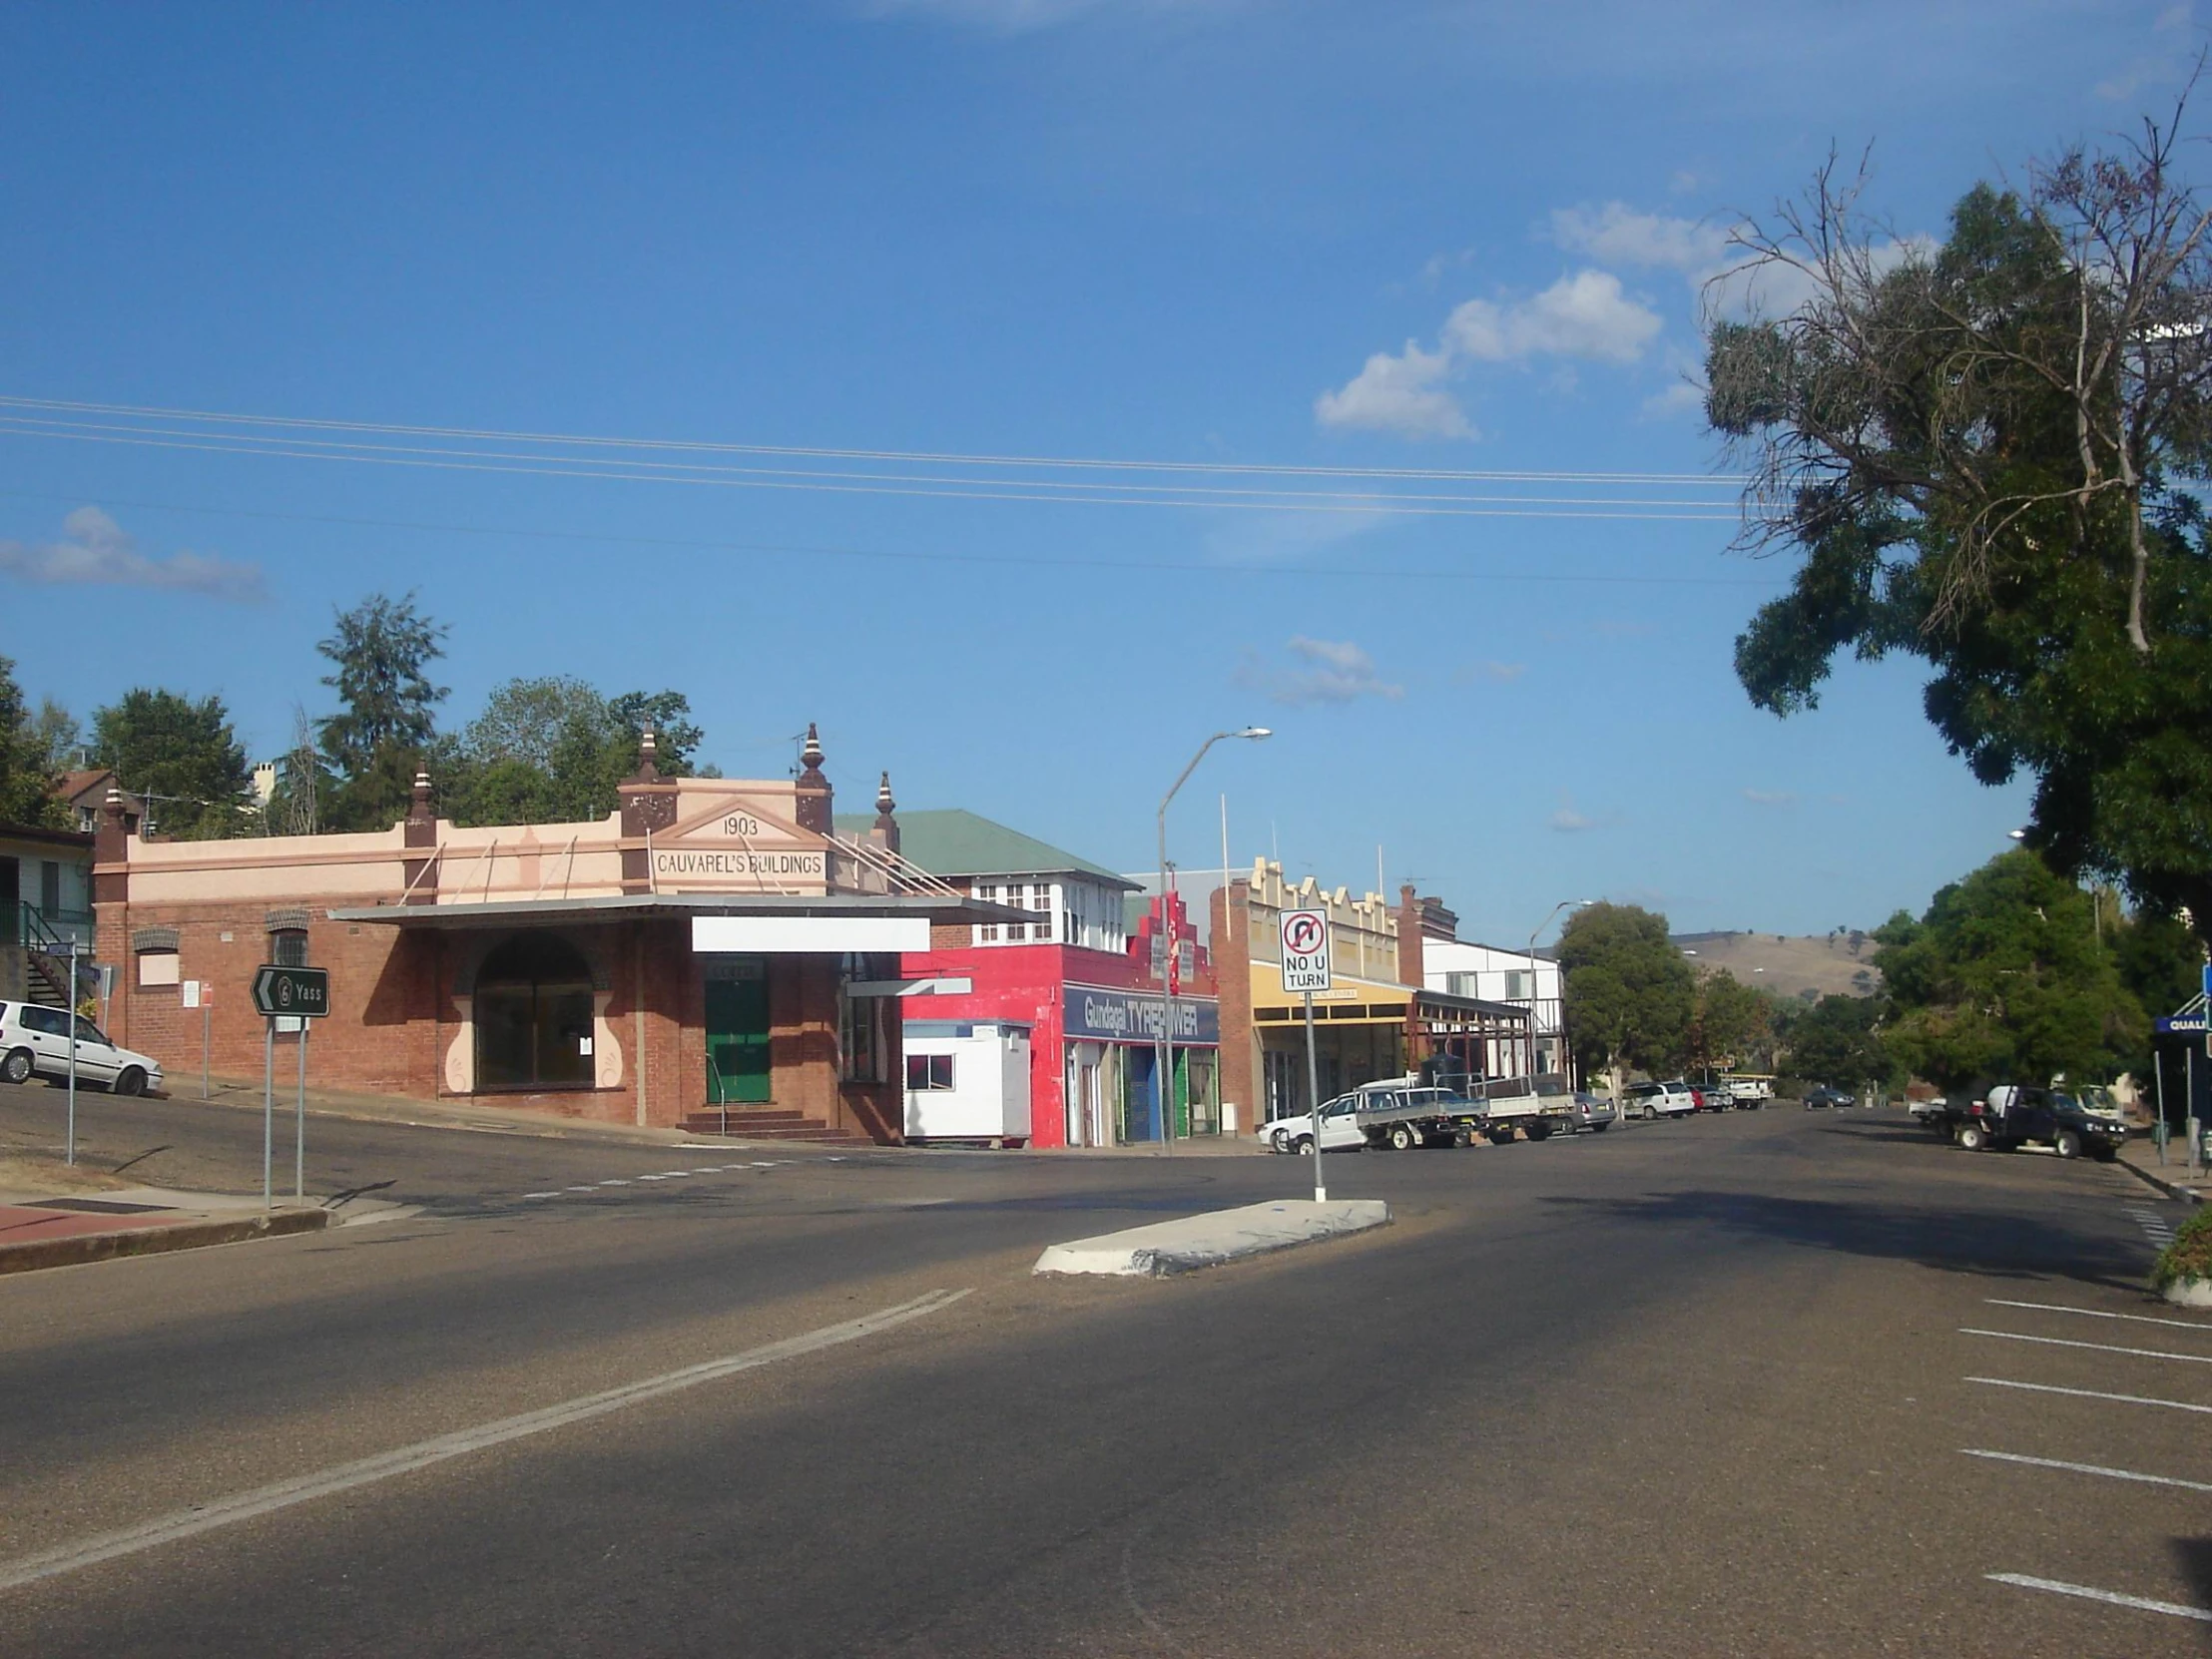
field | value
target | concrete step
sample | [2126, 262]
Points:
[755, 1124]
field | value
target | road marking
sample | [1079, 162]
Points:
[717, 1170]
[2110, 1597]
[2089, 1393]
[2102, 1348]
[583, 1189]
[673, 1173]
[613, 1181]
[2089, 1468]
[2099, 1314]
[651, 1178]
[541, 1195]
[242, 1507]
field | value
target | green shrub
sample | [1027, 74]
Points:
[2190, 1255]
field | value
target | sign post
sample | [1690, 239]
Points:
[71, 1157]
[299, 994]
[1305, 970]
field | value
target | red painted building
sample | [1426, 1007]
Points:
[1083, 979]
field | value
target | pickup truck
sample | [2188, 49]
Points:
[2012, 1114]
[1397, 1112]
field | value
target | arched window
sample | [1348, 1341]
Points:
[534, 1015]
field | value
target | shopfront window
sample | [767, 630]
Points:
[534, 1015]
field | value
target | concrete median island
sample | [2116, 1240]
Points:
[1208, 1241]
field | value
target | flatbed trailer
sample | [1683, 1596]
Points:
[1538, 1107]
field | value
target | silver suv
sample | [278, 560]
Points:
[35, 1043]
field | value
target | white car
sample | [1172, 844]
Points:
[1659, 1100]
[1339, 1128]
[34, 1042]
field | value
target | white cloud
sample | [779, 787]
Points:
[1325, 671]
[1619, 235]
[1585, 314]
[1397, 394]
[97, 551]
[1492, 671]
[1582, 315]
[1683, 397]
[1568, 821]
[1770, 798]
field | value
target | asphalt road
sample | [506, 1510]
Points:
[1683, 1388]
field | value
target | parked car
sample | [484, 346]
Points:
[1339, 1128]
[1931, 1113]
[1826, 1096]
[2006, 1115]
[1659, 1100]
[1592, 1112]
[35, 1043]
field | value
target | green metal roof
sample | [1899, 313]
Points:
[955, 843]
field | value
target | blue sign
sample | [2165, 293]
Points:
[2208, 981]
[2183, 1024]
[1097, 1015]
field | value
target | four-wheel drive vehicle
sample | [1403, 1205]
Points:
[1659, 1100]
[1824, 1095]
[2011, 1114]
[1397, 1112]
[35, 1043]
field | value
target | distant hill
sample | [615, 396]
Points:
[1787, 965]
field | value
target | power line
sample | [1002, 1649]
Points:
[903, 556]
[555, 467]
[1065, 462]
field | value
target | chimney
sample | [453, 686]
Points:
[886, 829]
[814, 788]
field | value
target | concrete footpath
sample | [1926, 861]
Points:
[1194, 1242]
[55, 1215]
[2173, 1177]
[73, 1228]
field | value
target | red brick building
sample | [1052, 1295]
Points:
[711, 951]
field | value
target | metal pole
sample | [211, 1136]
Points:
[269, 1103]
[1164, 1054]
[2189, 1105]
[207, 1032]
[299, 1126]
[2158, 1074]
[71, 1151]
[1313, 1091]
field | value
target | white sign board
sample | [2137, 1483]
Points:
[1305, 950]
[192, 993]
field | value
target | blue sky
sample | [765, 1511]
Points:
[1440, 236]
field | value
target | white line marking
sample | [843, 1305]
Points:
[614, 1183]
[227, 1511]
[673, 1173]
[2110, 1597]
[583, 1189]
[651, 1178]
[541, 1195]
[2089, 1468]
[771, 1164]
[2102, 1348]
[715, 1171]
[2089, 1393]
[2099, 1314]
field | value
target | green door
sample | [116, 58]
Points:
[736, 1042]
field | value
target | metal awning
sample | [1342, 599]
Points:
[953, 909]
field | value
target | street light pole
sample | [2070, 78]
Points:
[1530, 953]
[1163, 1079]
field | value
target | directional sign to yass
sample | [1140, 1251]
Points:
[1305, 950]
[301, 992]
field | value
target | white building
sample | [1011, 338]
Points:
[1495, 974]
